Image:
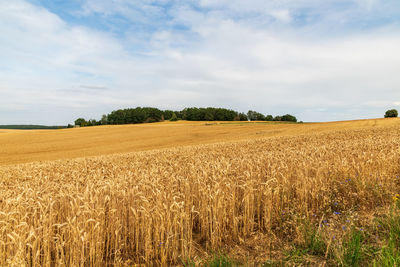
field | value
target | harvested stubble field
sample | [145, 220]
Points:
[175, 206]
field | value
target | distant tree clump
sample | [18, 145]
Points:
[30, 127]
[208, 114]
[149, 114]
[391, 113]
[135, 115]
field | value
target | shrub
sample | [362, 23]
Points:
[391, 113]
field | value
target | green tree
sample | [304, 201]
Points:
[168, 114]
[104, 120]
[242, 117]
[93, 122]
[173, 117]
[81, 122]
[391, 113]
[208, 116]
[269, 118]
[255, 116]
[289, 117]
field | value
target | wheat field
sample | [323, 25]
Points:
[21, 146]
[244, 190]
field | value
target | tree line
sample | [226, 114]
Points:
[149, 114]
[30, 127]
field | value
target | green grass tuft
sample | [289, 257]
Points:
[313, 242]
[353, 251]
[221, 260]
[389, 255]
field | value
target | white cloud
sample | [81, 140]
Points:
[49, 64]
[282, 15]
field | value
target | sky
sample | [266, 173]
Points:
[320, 60]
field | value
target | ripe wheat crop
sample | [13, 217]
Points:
[27, 146]
[161, 207]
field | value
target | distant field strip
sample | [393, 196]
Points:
[165, 206]
[19, 146]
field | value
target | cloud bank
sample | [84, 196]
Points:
[325, 61]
